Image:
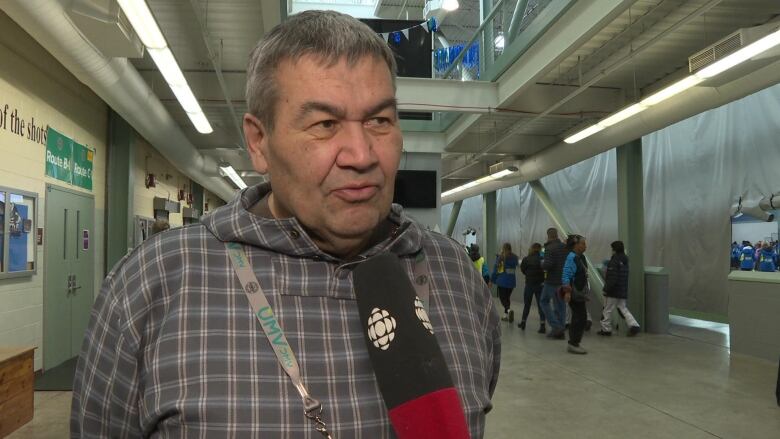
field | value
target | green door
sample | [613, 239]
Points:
[69, 273]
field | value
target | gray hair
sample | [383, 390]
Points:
[328, 35]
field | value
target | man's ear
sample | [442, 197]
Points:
[257, 137]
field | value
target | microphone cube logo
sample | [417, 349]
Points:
[422, 315]
[381, 328]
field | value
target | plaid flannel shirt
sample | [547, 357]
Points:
[174, 350]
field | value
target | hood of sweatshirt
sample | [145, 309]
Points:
[234, 222]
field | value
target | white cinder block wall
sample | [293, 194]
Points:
[169, 181]
[42, 91]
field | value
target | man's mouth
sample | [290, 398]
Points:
[355, 193]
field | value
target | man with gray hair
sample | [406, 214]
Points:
[246, 325]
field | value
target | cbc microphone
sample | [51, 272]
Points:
[410, 369]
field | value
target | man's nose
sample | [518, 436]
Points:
[356, 147]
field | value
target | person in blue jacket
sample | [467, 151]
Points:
[575, 289]
[736, 250]
[747, 258]
[504, 278]
[767, 259]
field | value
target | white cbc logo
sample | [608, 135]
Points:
[422, 315]
[381, 328]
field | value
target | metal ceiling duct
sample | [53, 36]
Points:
[119, 84]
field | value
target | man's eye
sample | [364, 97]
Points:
[327, 124]
[378, 122]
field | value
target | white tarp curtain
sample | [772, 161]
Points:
[694, 170]
[584, 194]
[470, 217]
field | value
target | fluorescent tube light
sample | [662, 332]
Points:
[587, 132]
[146, 27]
[501, 174]
[672, 90]
[200, 122]
[143, 22]
[186, 98]
[479, 181]
[720, 66]
[622, 115]
[740, 56]
[168, 66]
[233, 176]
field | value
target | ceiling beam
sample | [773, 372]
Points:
[420, 94]
[686, 104]
[420, 141]
[580, 22]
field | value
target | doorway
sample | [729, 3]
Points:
[69, 258]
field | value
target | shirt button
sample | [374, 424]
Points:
[295, 234]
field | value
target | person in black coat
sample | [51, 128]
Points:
[531, 267]
[555, 253]
[616, 292]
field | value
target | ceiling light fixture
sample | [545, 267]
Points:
[168, 66]
[149, 32]
[450, 5]
[672, 90]
[229, 172]
[622, 115]
[143, 22]
[740, 56]
[750, 51]
[483, 180]
[587, 132]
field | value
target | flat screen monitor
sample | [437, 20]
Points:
[416, 189]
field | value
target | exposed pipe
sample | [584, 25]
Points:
[218, 70]
[604, 73]
[117, 83]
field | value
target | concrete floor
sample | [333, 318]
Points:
[683, 386]
[50, 421]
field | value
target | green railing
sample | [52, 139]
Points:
[502, 25]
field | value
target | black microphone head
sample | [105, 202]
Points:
[405, 354]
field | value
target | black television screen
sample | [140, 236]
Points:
[415, 189]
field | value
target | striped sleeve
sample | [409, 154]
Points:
[105, 387]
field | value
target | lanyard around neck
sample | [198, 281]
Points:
[312, 408]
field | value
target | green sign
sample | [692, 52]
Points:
[59, 154]
[68, 161]
[82, 166]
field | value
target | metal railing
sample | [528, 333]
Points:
[501, 26]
